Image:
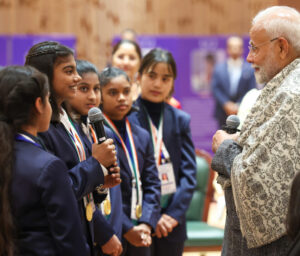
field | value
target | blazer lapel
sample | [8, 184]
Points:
[142, 116]
[122, 157]
[244, 75]
[167, 126]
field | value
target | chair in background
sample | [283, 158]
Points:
[201, 236]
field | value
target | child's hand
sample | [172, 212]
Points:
[112, 179]
[112, 247]
[105, 153]
[165, 225]
[139, 236]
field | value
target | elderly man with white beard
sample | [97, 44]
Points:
[257, 166]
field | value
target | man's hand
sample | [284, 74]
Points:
[230, 108]
[105, 153]
[112, 247]
[165, 225]
[139, 236]
[220, 136]
[112, 179]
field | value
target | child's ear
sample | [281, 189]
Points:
[101, 98]
[39, 105]
[138, 78]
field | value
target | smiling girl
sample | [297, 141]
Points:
[86, 169]
[88, 96]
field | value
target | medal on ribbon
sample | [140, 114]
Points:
[131, 155]
[89, 211]
[107, 207]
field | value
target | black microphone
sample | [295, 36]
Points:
[232, 124]
[97, 121]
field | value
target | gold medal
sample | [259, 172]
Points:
[138, 211]
[89, 211]
[107, 207]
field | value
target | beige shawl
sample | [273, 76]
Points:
[262, 174]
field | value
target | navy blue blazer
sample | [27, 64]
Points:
[178, 141]
[106, 228]
[44, 205]
[149, 178]
[221, 87]
[85, 175]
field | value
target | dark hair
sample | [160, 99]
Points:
[293, 215]
[125, 41]
[44, 56]
[19, 89]
[110, 73]
[156, 56]
[84, 66]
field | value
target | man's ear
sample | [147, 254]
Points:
[284, 47]
[39, 105]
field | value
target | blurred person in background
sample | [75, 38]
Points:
[128, 34]
[127, 55]
[231, 80]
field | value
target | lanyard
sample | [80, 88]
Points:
[69, 126]
[105, 205]
[160, 151]
[78, 145]
[23, 137]
[93, 134]
[130, 152]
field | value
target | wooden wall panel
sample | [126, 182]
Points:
[95, 22]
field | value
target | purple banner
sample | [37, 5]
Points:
[3, 51]
[14, 48]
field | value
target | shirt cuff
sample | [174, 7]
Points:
[104, 170]
[100, 189]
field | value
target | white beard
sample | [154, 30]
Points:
[266, 72]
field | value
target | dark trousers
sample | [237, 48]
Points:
[163, 247]
[130, 250]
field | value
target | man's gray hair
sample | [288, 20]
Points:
[280, 21]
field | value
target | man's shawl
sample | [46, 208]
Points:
[261, 175]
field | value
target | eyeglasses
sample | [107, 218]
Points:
[254, 49]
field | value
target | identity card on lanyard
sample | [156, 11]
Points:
[78, 145]
[162, 158]
[131, 155]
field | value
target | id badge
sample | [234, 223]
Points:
[167, 178]
[136, 207]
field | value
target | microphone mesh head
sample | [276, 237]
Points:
[95, 115]
[232, 121]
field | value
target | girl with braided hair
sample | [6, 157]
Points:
[87, 169]
[34, 218]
